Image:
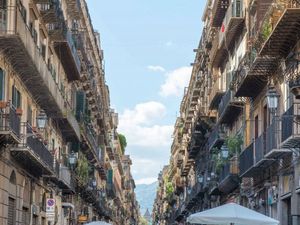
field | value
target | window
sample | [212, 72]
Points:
[12, 178]
[256, 127]
[2, 85]
[25, 216]
[29, 115]
[3, 17]
[3, 4]
[11, 219]
[16, 97]
[43, 50]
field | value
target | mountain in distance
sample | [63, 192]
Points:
[146, 194]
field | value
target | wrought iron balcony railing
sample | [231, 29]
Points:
[290, 127]
[246, 159]
[10, 123]
[33, 154]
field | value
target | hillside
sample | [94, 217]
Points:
[145, 194]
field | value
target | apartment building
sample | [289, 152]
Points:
[57, 130]
[237, 137]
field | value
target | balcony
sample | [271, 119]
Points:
[216, 94]
[261, 153]
[91, 148]
[10, 125]
[250, 78]
[196, 144]
[290, 128]
[69, 126]
[110, 151]
[285, 29]
[186, 166]
[229, 179]
[198, 139]
[18, 45]
[247, 161]
[111, 190]
[65, 49]
[193, 195]
[216, 138]
[63, 178]
[275, 149]
[179, 159]
[32, 154]
[74, 9]
[50, 10]
[233, 24]
[230, 107]
[219, 9]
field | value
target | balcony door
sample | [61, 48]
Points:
[266, 123]
[3, 15]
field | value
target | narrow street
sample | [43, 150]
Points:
[104, 120]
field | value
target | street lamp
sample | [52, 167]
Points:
[41, 119]
[200, 179]
[272, 98]
[72, 159]
[94, 183]
[224, 151]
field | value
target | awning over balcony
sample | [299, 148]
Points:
[284, 36]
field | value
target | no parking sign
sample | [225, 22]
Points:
[50, 206]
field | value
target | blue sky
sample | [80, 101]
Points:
[148, 47]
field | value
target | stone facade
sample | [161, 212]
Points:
[237, 137]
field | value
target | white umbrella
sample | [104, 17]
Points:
[98, 223]
[231, 213]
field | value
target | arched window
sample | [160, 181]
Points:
[12, 178]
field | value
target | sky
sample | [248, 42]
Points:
[148, 48]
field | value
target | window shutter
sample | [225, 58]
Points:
[80, 104]
[11, 212]
[110, 176]
[2, 84]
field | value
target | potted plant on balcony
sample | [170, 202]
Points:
[82, 169]
[19, 111]
[3, 104]
[234, 144]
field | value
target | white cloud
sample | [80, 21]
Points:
[146, 169]
[156, 68]
[149, 180]
[175, 82]
[140, 125]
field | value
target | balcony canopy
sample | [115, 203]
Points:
[231, 213]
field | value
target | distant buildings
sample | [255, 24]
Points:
[237, 137]
[61, 160]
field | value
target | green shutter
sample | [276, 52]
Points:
[14, 96]
[110, 176]
[18, 99]
[80, 104]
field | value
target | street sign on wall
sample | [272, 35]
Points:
[50, 208]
